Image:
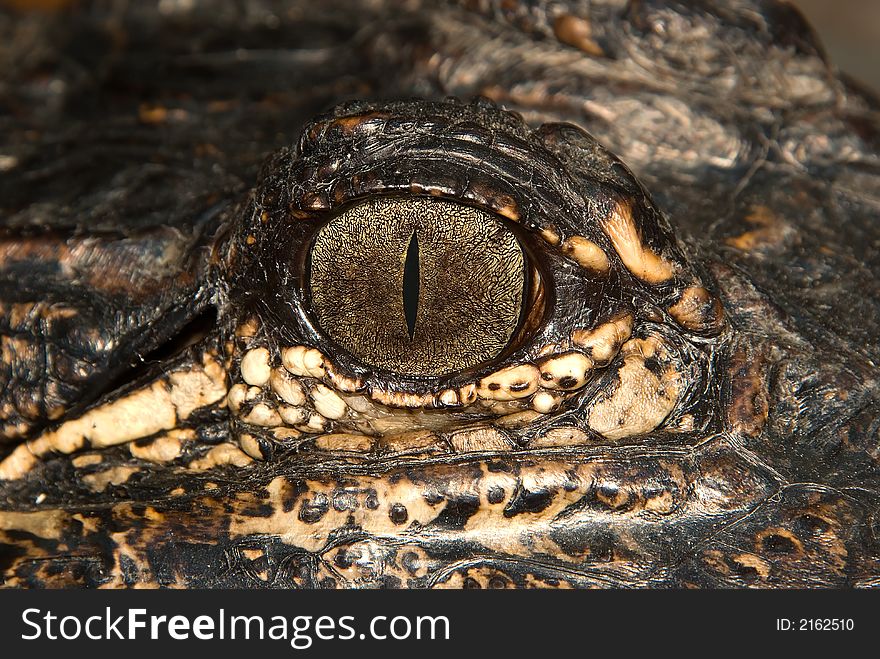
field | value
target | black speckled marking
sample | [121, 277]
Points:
[495, 494]
[313, 510]
[457, 512]
[398, 514]
[525, 501]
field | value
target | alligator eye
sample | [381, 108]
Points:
[418, 286]
[472, 284]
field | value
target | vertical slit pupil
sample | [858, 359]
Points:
[411, 285]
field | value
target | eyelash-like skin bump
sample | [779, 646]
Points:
[682, 390]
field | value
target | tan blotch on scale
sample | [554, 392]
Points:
[315, 423]
[509, 383]
[640, 260]
[163, 448]
[478, 439]
[255, 369]
[545, 402]
[303, 361]
[586, 253]
[293, 416]
[343, 442]
[262, 415]
[603, 342]
[286, 387]
[236, 396]
[642, 398]
[340, 381]
[222, 454]
[698, 310]
[248, 328]
[400, 398]
[567, 371]
[157, 407]
[327, 403]
[250, 446]
[284, 434]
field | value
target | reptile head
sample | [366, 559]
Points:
[420, 278]
[438, 278]
[434, 343]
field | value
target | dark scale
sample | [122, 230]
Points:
[495, 495]
[311, 512]
[398, 513]
[435, 279]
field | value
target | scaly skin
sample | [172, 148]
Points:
[691, 398]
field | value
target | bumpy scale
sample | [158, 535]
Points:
[599, 377]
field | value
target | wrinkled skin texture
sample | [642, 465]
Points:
[134, 169]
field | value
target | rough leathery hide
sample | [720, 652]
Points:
[597, 523]
[691, 396]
